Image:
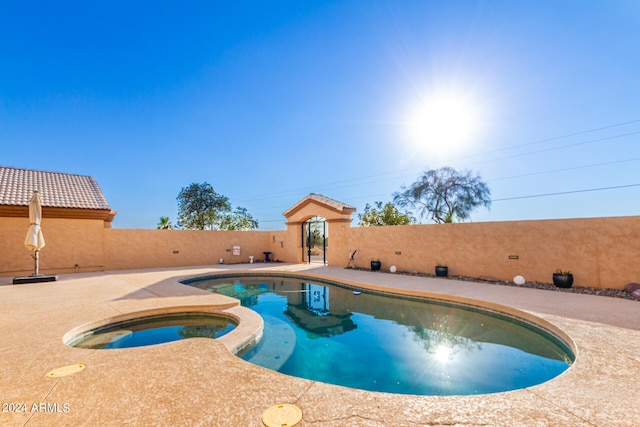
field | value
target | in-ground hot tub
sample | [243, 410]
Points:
[142, 329]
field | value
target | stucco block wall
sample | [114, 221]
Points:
[90, 246]
[281, 245]
[292, 250]
[131, 248]
[341, 241]
[69, 242]
[601, 252]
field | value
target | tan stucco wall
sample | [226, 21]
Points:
[68, 242]
[92, 247]
[601, 252]
[284, 244]
[123, 250]
[340, 238]
[129, 248]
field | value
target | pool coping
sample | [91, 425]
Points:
[587, 394]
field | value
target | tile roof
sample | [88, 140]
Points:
[323, 200]
[330, 202]
[56, 189]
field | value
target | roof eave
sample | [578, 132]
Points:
[54, 212]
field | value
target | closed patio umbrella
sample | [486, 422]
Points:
[35, 239]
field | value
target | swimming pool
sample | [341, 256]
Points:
[325, 331]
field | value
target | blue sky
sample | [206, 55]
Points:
[269, 101]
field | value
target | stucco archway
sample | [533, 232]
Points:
[335, 214]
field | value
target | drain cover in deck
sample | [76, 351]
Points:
[284, 415]
[63, 371]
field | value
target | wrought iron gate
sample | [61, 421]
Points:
[314, 240]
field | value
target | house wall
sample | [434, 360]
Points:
[68, 242]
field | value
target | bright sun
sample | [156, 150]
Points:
[443, 125]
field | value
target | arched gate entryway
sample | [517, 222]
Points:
[312, 219]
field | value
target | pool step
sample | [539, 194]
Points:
[279, 341]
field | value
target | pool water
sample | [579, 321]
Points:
[152, 330]
[329, 333]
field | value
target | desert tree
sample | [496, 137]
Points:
[445, 194]
[239, 219]
[200, 207]
[387, 214]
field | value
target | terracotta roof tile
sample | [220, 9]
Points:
[56, 189]
[331, 202]
[327, 201]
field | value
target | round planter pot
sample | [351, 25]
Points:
[563, 280]
[442, 271]
[376, 265]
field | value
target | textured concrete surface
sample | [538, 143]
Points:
[199, 382]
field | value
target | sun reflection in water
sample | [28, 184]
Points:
[443, 353]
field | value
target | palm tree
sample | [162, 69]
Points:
[164, 223]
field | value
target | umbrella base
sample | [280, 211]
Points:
[35, 279]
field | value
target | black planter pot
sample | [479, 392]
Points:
[442, 270]
[376, 265]
[563, 280]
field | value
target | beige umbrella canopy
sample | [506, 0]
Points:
[35, 239]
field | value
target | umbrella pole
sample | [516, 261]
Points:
[35, 259]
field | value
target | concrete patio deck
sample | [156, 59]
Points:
[199, 382]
